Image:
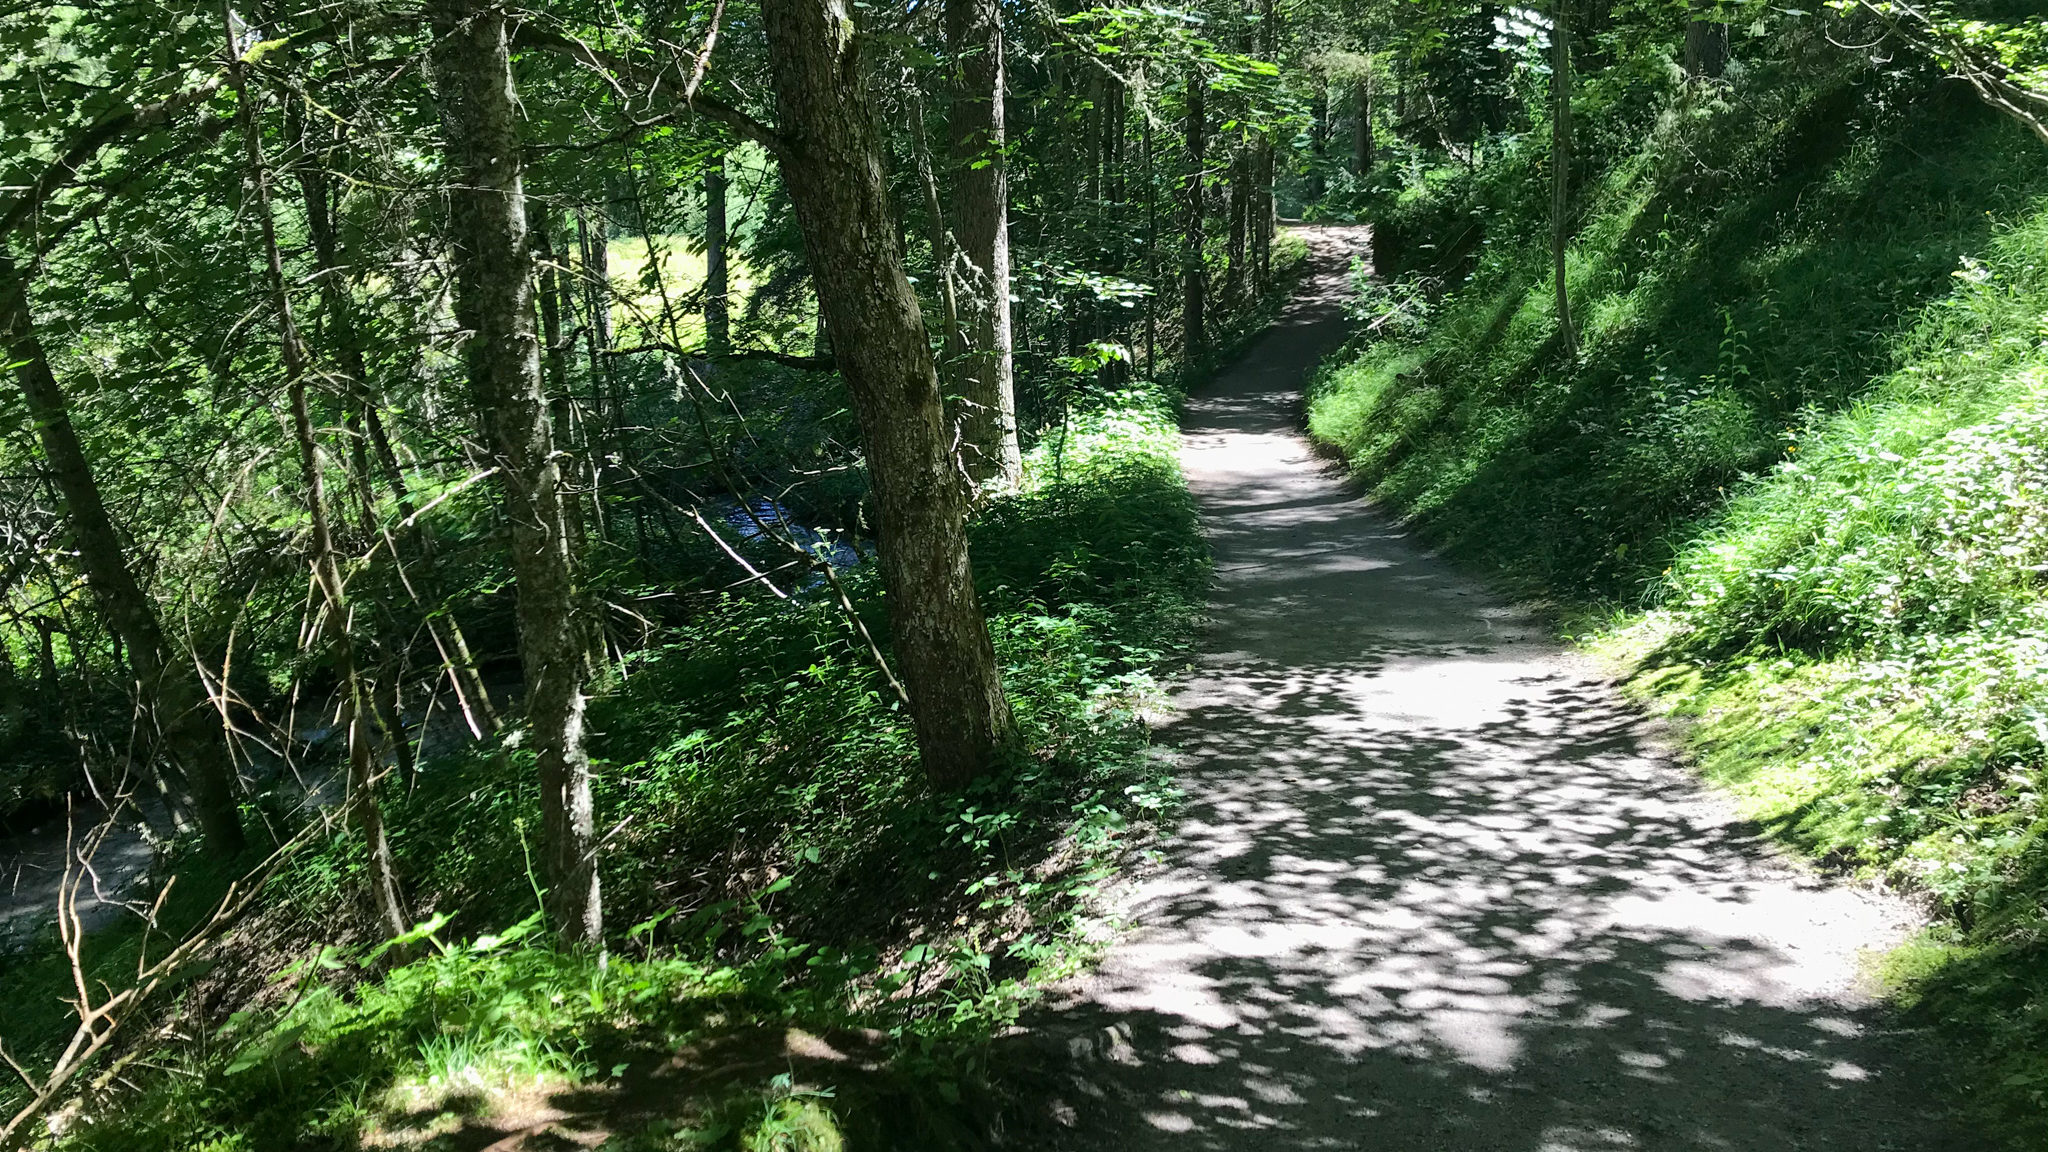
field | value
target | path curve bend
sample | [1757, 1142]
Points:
[1435, 886]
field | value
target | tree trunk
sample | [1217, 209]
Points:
[494, 303]
[168, 688]
[593, 235]
[717, 301]
[1706, 50]
[1263, 222]
[1318, 139]
[332, 622]
[1240, 218]
[338, 307]
[1194, 276]
[573, 430]
[1560, 167]
[1263, 216]
[1151, 251]
[554, 352]
[832, 163]
[945, 268]
[981, 219]
[1113, 146]
[552, 295]
[1361, 130]
[605, 418]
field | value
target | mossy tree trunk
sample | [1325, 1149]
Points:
[173, 700]
[832, 163]
[494, 305]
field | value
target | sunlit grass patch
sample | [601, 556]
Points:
[1797, 476]
[637, 296]
[777, 862]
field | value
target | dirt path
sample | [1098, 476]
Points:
[1436, 889]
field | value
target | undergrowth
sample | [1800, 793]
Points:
[1741, 269]
[1796, 477]
[774, 862]
[1862, 641]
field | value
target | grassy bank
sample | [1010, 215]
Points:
[1862, 644]
[1794, 477]
[775, 864]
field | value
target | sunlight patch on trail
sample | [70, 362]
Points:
[1436, 887]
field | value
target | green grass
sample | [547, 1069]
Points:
[1862, 642]
[1749, 265]
[1797, 479]
[777, 863]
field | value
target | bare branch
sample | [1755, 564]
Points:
[99, 1023]
[615, 69]
[1991, 80]
[704, 57]
[752, 572]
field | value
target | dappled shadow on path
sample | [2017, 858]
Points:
[1435, 888]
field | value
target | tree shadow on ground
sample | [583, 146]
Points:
[1436, 886]
[1517, 935]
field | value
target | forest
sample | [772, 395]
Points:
[790, 576]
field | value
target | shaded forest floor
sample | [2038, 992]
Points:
[811, 950]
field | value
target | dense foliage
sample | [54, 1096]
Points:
[775, 861]
[1792, 476]
[460, 487]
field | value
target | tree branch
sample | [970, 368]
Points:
[786, 359]
[1989, 81]
[123, 121]
[99, 1024]
[654, 79]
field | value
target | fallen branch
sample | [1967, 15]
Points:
[99, 1023]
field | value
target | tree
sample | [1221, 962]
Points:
[335, 621]
[1560, 166]
[1706, 49]
[173, 701]
[717, 305]
[1318, 136]
[493, 261]
[1361, 129]
[180, 715]
[981, 216]
[1238, 220]
[1194, 272]
[832, 164]
[1264, 209]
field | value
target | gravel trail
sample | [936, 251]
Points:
[1437, 887]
